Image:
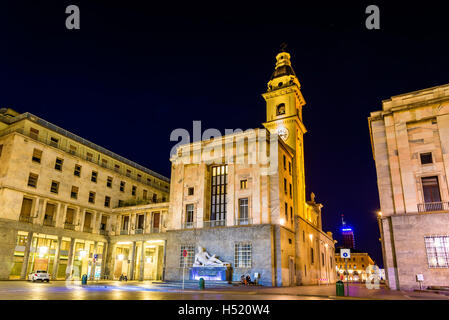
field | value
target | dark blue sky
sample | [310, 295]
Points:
[133, 73]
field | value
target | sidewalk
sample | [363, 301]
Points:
[356, 291]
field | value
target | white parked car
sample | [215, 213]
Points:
[40, 275]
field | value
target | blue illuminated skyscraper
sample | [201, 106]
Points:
[347, 235]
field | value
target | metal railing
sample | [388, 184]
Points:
[49, 222]
[214, 223]
[103, 232]
[155, 229]
[87, 229]
[69, 226]
[124, 232]
[27, 219]
[188, 225]
[138, 231]
[433, 206]
[244, 221]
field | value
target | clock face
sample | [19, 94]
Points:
[283, 133]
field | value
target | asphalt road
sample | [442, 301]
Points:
[60, 290]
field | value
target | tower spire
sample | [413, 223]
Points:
[343, 223]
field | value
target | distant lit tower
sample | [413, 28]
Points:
[347, 234]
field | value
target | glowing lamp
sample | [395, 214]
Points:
[83, 253]
[282, 221]
[43, 251]
[120, 257]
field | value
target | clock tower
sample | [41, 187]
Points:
[284, 116]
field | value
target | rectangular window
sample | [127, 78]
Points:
[426, 158]
[120, 203]
[189, 215]
[107, 201]
[37, 155]
[109, 182]
[437, 248]
[94, 176]
[290, 191]
[243, 211]
[133, 191]
[122, 186]
[285, 186]
[92, 197]
[69, 216]
[148, 181]
[1, 149]
[140, 221]
[243, 184]
[291, 214]
[242, 255]
[285, 162]
[431, 191]
[58, 164]
[89, 156]
[125, 222]
[145, 195]
[27, 204]
[188, 260]
[218, 193]
[190, 191]
[139, 177]
[34, 134]
[128, 173]
[311, 255]
[289, 168]
[54, 142]
[154, 197]
[32, 180]
[104, 163]
[72, 149]
[54, 187]
[77, 171]
[286, 211]
[74, 193]
[116, 168]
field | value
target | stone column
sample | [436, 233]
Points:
[40, 219]
[56, 261]
[103, 259]
[133, 262]
[68, 271]
[110, 259]
[92, 274]
[142, 262]
[26, 256]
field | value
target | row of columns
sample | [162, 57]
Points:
[23, 272]
[40, 206]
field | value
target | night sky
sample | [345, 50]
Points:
[133, 73]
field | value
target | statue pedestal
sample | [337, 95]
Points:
[211, 273]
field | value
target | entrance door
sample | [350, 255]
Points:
[291, 269]
[156, 220]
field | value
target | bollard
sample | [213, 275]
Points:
[84, 279]
[340, 287]
[201, 283]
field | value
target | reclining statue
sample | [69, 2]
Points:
[203, 259]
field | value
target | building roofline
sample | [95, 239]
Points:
[68, 134]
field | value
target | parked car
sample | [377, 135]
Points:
[40, 275]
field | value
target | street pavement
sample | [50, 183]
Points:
[147, 290]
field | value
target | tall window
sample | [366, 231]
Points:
[189, 215]
[243, 184]
[74, 192]
[77, 171]
[58, 164]
[218, 193]
[107, 201]
[242, 255]
[280, 109]
[437, 248]
[243, 211]
[32, 180]
[122, 186]
[54, 142]
[94, 176]
[431, 191]
[54, 187]
[92, 197]
[34, 133]
[133, 191]
[37, 155]
[187, 261]
[109, 182]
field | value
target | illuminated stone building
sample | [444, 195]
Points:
[71, 207]
[358, 264]
[410, 141]
[58, 199]
[242, 197]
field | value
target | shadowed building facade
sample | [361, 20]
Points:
[410, 141]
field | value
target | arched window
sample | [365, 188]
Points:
[280, 109]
